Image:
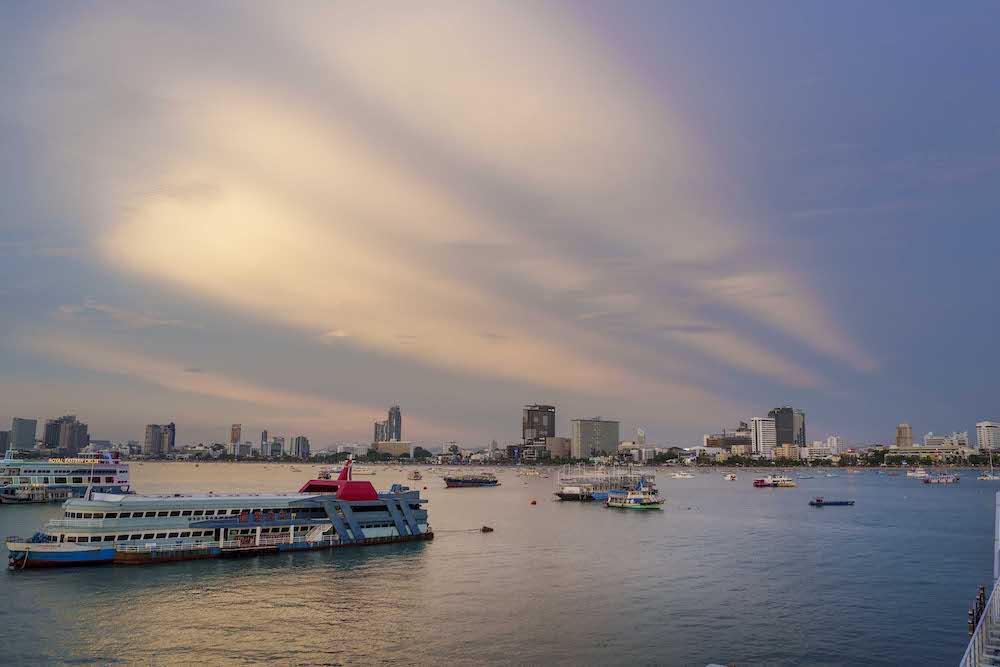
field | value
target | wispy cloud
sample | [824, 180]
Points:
[92, 311]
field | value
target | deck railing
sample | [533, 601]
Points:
[76, 523]
[984, 645]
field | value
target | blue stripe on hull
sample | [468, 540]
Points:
[57, 558]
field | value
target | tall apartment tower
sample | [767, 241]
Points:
[152, 445]
[537, 423]
[904, 436]
[394, 424]
[763, 436]
[22, 433]
[235, 434]
[789, 426]
[596, 436]
[988, 435]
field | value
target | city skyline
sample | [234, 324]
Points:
[267, 225]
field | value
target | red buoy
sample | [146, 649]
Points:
[534, 502]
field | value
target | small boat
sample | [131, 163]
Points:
[462, 481]
[894, 474]
[578, 492]
[805, 476]
[941, 479]
[830, 474]
[774, 481]
[640, 498]
[990, 476]
[730, 477]
[534, 502]
[414, 475]
[819, 502]
[682, 475]
[486, 529]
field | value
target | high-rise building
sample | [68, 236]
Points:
[263, 440]
[904, 435]
[300, 446]
[835, 443]
[789, 425]
[4, 441]
[729, 438]
[988, 435]
[169, 438]
[537, 423]
[763, 436]
[391, 428]
[152, 445]
[235, 434]
[593, 437]
[22, 433]
[73, 435]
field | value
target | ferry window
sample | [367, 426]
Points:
[125, 515]
[98, 515]
[83, 539]
[147, 536]
[71, 538]
[78, 480]
[45, 480]
[186, 534]
[150, 514]
[109, 538]
[60, 480]
[160, 536]
[25, 480]
[135, 537]
[199, 512]
[88, 515]
[111, 515]
[109, 480]
[122, 538]
[209, 512]
[95, 480]
[175, 513]
[172, 535]
[186, 513]
[162, 513]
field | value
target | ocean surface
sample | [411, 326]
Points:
[725, 573]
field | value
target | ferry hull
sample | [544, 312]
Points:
[633, 506]
[459, 484]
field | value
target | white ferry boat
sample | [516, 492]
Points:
[131, 529]
[47, 480]
[918, 473]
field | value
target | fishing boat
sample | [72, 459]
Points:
[729, 477]
[917, 473]
[363, 471]
[639, 498]
[137, 529]
[805, 476]
[820, 502]
[941, 479]
[102, 471]
[414, 475]
[774, 481]
[832, 474]
[480, 479]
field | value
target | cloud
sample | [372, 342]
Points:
[91, 311]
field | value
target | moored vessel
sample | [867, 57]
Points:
[577, 492]
[941, 479]
[820, 502]
[639, 498]
[774, 481]
[130, 529]
[414, 475]
[918, 473]
[479, 479]
[44, 481]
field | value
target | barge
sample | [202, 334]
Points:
[131, 529]
[462, 481]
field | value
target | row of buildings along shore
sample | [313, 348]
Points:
[779, 436]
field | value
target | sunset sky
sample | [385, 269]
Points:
[679, 215]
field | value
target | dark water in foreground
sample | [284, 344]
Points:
[726, 573]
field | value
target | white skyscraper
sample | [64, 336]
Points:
[763, 436]
[835, 443]
[988, 435]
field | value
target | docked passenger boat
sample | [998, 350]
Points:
[941, 479]
[640, 498]
[324, 514]
[820, 502]
[33, 494]
[45, 481]
[918, 473]
[577, 492]
[479, 479]
[774, 481]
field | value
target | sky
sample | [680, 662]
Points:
[678, 215]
